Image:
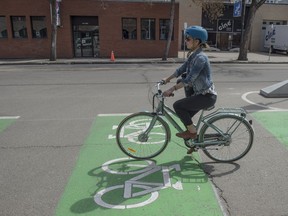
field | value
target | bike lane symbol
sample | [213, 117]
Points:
[135, 128]
[142, 171]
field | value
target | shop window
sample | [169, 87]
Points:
[39, 29]
[19, 26]
[148, 29]
[164, 29]
[3, 27]
[129, 28]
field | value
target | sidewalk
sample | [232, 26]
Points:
[214, 56]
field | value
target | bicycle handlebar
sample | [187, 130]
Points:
[159, 83]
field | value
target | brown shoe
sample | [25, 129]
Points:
[187, 135]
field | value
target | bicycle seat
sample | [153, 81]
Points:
[209, 108]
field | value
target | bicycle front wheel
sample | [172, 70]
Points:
[236, 142]
[143, 135]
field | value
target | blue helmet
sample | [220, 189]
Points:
[197, 32]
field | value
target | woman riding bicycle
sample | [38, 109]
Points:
[198, 78]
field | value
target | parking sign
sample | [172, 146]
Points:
[237, 8]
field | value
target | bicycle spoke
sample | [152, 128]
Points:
[237, 139]
[142, 135]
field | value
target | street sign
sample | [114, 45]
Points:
[237, 10]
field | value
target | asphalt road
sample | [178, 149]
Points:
[58, 103]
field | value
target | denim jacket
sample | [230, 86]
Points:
[198, 71]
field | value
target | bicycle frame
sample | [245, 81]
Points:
[164, 110]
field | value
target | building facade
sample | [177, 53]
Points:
[225, 32]
[87, 28]
[94, 28]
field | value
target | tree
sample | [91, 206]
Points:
[53, 8]
[255, 5]
[214, 9]
[53, 49]
[171, 24]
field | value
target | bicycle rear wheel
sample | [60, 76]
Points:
[143, 135]
[237, 142]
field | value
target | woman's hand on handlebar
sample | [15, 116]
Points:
[165, 81]
[168, 93]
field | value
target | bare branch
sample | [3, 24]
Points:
[212, 8]
[260, 3]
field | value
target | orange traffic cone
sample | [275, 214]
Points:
[112, 58]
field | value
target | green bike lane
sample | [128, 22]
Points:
[170, 184]
[96, 185]
[276, 122]
[97, 189]
[5, 122]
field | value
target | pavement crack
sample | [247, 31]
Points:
[223, 202]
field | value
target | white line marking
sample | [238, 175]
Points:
[244, 97]
[114, 114]
[9, 117]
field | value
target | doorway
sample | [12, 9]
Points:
[86, 37]
[223, 41]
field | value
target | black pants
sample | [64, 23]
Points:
[187, 107]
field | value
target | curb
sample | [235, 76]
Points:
[134, 62]
[213, 60]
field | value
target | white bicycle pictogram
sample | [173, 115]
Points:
[143, 187]
[136, 128]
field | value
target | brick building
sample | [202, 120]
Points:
[87, 28]
[93, 28]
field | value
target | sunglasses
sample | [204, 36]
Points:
[188, 38]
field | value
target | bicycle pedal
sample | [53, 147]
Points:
[189, 143]
[191, 150]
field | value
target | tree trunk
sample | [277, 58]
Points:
[246, 37]
[53, 49]
[171, 24]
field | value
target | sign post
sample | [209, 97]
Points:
[270, 48]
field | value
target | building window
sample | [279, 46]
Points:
[148, 29]
[3, 27]
[19, 26]
[39, 29]
[129, 28]
[164, 29]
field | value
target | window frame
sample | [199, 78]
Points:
[149, 32]
[167, 25]
[4, 36]
[34, 35]
[130, 34]
[13, 26]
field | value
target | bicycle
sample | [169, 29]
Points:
[225, 135]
